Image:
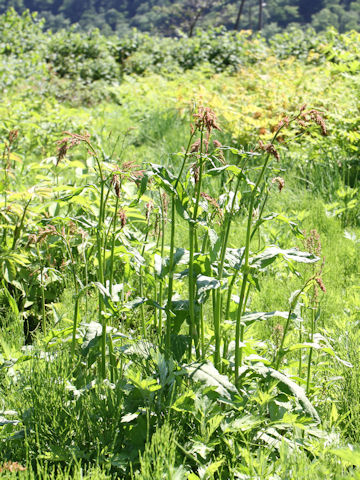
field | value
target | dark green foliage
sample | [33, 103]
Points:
[170, 17]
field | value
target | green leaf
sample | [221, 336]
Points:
[214, 467]
[280, 217]
[76, 191]
[285, 384]
[249, 318]
[179, 345]
[192, 476]
[349, 455]
[204, 285]
[164, 177]
[9, 270]
[241, 424]
[234, 257]
[11, 300]
[234, 169]
[270, 254]
[207, 374]
[184, 403]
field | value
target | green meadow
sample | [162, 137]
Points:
[179, 254]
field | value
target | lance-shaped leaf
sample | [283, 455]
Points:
[181, 257]
[93, 332]
[141, 301]
[142, 188]
[349, 455]
[215, 244]
[285, 384]
[11, 300]
[249, 318]
[166, 179]
[77, 191]
[234, 257]
[207, 374]
[270, 254]
[282, 218]
[234, 169]
[180, 313]
[204, 285]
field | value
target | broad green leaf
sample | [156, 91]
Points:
[285, 384]
[11, 300]
[270, 254]
[204, 285]
[214, 467]
[200, 448]
[280, 217]
[234, 169]
[77, 191]
[184, 403]
[234, 257]
[192, 476]
[249, 318]
[243, 423]
[207, 374]
[349, 455]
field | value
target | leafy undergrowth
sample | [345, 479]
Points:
[176, 300]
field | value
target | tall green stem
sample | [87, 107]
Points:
[171, 256]
[142, 310]
[99, 238]
[20, 226]
[280, 352]
[193, 331]
[113, 246]
[218, 304]
[160, 300]
[239, 328]
[311, 351]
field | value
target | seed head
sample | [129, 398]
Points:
[195, 147]
[206, 118]
[32, 238]
[320, 282]
[115, 181]
[214, 203]
[12, 467]
[269, 148]
[62, 151]
[195, 169]
[45, 232]
[280, 182]
[122, 216]
[284, 122]
[319, 120]
[277, 334]
[302, 123]
[13, 134]
[165, 203]
[312, 242]
[156, 225]
[70, 141]
[220, 154]
[149, 206]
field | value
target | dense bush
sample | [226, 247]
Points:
[87, 56]
[92, 56]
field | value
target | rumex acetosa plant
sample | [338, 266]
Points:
[210, 266]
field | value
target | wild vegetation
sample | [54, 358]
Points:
[179, 253]
[179, 17]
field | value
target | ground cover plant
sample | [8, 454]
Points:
[179, 265]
